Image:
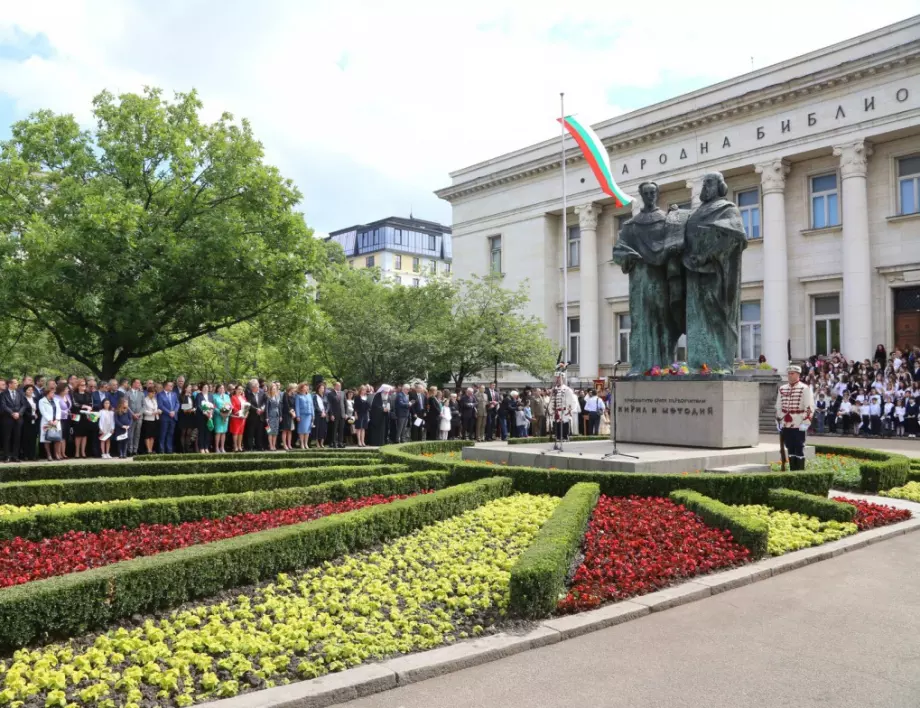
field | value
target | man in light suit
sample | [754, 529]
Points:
[337, 425]
[402, 407]
[136, 407]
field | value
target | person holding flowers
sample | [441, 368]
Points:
[50, 435]
[123, 420]
[106, 427]
[239, 410]
[205, 409]
[221, 418]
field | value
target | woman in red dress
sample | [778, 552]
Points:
[237, 418]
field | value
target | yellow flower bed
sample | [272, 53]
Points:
[789, 531]
[12, 509]
[910, 492]
[443, 583]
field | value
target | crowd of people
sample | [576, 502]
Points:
[872, 397]
[76, 418]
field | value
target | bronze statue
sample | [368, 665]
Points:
[714, 242]
[648, 248]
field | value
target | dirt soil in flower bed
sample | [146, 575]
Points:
[22, 561]
[443, 583]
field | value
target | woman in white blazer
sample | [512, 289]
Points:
[51, 418]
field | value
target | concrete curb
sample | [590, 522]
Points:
[411, 668]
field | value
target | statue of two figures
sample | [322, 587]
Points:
[684, 278]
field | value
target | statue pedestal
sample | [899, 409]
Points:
[705, 412]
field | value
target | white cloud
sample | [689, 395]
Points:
[369, 105]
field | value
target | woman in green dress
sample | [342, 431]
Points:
[222, 417]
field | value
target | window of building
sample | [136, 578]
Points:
[749, 205]
[825, 201]
[749, 344]
[909, 185]
[574, 340]
[447, 267]
[416, 264]
[369, 262]
[495, 251]
[574, 246]
[416, 282]
[624, 326]
[398, 262]
[826, 320]
[432, 243]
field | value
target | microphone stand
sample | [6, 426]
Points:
[613, 414]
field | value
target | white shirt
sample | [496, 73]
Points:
[875, 409]
[899, 413]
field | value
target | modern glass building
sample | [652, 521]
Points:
[405, 250]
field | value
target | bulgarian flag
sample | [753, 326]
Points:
[596, 155]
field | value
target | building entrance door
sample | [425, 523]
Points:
[907, 317]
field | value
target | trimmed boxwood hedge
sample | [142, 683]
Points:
[550, 438]
[811, 505]
[878, 470]
[730, 488]
[538, 576]
[322, 452]
[750, 531]
[180, 485]
[175, 510]
[72, 604]
[913, 473]
[200, 464]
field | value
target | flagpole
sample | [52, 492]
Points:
[565, 238]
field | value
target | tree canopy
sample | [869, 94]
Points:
[147, 232]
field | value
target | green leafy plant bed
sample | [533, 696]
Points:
[548, 438]
[324, 452]
[71, 604]
[538, 577]
[731, 489]
[909, 492]
[107, 488]
[877, 469]
[748, 530]
[96, 516]
[197, 465]
[789, 531]
[821, 508]
[845, 469]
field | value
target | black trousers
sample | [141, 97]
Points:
[254, 429]
[594, 423]
[29, 443]
[469, 427]
[795, 446]
[418, 431]
[337, 430]
[12, 437]
[490, 424]
[561, 431]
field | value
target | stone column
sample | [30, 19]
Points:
[775, 308]
[695, 186]
[589, 316]
[856, 298]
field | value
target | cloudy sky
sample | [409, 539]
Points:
[368, 105]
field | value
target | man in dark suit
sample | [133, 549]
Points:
[468, 414]
[402, 407]
[418, 407]
[255, 420]
[493, 401]
[336, 408]
[13, 407]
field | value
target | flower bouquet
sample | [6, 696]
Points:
[244, 409]
[207, 408]
[92, 416]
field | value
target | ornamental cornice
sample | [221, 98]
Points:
[854, 158]
[587, 216]
[773, 175]
[748, 103]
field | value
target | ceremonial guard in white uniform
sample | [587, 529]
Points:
[795, 406]
[563, 406]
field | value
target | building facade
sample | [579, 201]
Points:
[822, 155]
[408, 251]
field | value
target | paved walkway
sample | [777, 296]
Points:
[841, 633]
[903, 446]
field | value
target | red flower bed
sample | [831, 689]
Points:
[638, 545]
[870, 515]
[22, 561]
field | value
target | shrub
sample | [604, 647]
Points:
[313, 451]
[175, 510]
[878, 470]
[811, 505]
[105, 488]
[72, 604]
[198, 465]
[538, 577]
[746, 529]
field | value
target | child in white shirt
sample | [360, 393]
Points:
[106, 427]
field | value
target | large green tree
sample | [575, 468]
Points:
[488, 326]
[149, 231]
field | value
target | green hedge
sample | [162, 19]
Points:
[750, 531]
[72, 604]
[878, 470]
[913, 473]
[180, 485]
[538, 577]
[411, 453]
[550, 438]
[811, 505]
[175, 510]
[323, 452]
[198, 465]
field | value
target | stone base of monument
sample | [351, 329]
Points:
[649, 459]
[697, 411]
